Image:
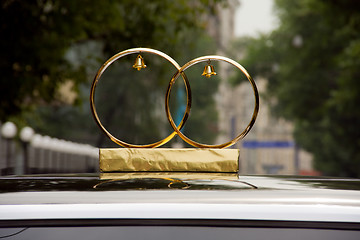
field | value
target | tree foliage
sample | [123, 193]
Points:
[46, 43]
[312, 63]
[35, 36]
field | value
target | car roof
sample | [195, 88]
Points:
[250, 197]
[269, 187]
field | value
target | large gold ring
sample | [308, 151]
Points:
[106, 65]
[181, 71]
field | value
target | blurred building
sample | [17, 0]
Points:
[269, 148]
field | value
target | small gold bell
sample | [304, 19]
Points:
[208, 71]
[139, 63]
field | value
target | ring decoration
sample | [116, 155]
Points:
[208, 72]
[139, 64]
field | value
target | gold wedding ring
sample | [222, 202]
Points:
[102, 70]
[204, 59]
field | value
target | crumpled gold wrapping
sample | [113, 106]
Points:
[166, 175]
[169, 160]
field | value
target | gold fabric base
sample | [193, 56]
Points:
[172, 175]
[140, 162]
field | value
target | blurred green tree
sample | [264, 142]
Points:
[46, 44]
[312, 63]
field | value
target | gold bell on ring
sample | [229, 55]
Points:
[208, 70]
[139, 63]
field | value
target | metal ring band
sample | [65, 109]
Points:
[106, 65]
[203, 59]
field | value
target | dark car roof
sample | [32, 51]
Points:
[246, 186]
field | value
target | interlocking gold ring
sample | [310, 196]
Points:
[106, 65]
[181, 71]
